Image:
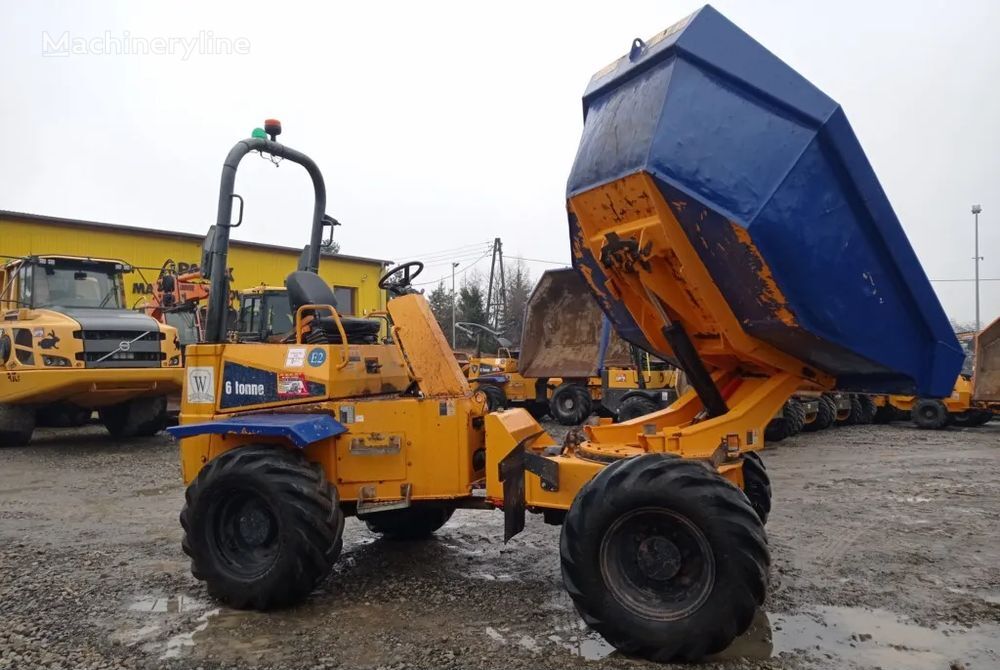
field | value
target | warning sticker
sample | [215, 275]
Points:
[292, 385]
[295, 358]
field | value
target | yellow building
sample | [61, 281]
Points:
[355, 279]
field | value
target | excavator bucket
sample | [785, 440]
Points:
[986, 374]
[565, 334]
[701, 133]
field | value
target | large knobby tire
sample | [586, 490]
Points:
[17, 423]
[884, 413]
[972, 418]
[777, 429]
[570, 404]
[664, 558]
[262, 526]
[412, 523]
[140, 417]
[795, 414]
[826, 414]
[866, 409]
[635, 406]
[496, 399]
[757, 485]
[929, 414]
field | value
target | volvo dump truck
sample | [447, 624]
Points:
[715, 195]
[69, 346]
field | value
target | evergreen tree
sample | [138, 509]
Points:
[472, 309]
[519, 287]
[440, 301]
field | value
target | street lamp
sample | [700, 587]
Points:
[976, 209]
[453, 266]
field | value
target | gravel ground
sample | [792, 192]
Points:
[884, 541]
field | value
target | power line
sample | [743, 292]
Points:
[458, 274]
[443, 254]
[539, 260]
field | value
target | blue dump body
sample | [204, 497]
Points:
[716, 118]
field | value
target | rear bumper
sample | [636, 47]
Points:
[89, 388]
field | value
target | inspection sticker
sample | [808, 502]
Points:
[316, 357]
[295, 358]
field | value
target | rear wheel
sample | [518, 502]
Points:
[757, 485]
[867, 409]
[972, 418]
[884, 413]
[664, 558]
[496, 399]
[570, 404]
[929, 414]
[141, 417]
[795, 414]
[636, 406]
[412, 523]
[826, 414]
[17, 423]
[262, 527]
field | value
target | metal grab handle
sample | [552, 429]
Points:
[345, 355]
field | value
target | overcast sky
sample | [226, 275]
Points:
[443, 125]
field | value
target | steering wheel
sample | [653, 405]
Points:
[401, 286]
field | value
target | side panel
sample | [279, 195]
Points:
[427, 351]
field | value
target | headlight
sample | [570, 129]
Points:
[55, 361]
[175, 360]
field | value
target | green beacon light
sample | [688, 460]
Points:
[258, 134]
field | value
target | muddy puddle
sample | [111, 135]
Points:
[859, 637]
[177, 626]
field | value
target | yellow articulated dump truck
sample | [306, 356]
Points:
[715, 196]
[69, 346]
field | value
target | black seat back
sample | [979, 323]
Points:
[308, 288]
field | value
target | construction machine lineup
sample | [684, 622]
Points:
[697, 168]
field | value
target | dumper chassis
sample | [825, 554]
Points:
[662, 547]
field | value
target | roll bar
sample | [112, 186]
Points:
[216, 254]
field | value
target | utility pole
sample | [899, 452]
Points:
[453, 301]
[496, 292]
[976, 209]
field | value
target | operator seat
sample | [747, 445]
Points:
[308, 288]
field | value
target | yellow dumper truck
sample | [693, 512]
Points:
[715, 194]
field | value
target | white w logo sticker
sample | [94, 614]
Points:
[200, 385]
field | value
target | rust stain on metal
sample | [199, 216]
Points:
[771, 297]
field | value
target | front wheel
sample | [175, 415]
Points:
[929, 414]
[496, 399]
[262, 527]
[664, 558]
[17, 423]
[635, 406]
